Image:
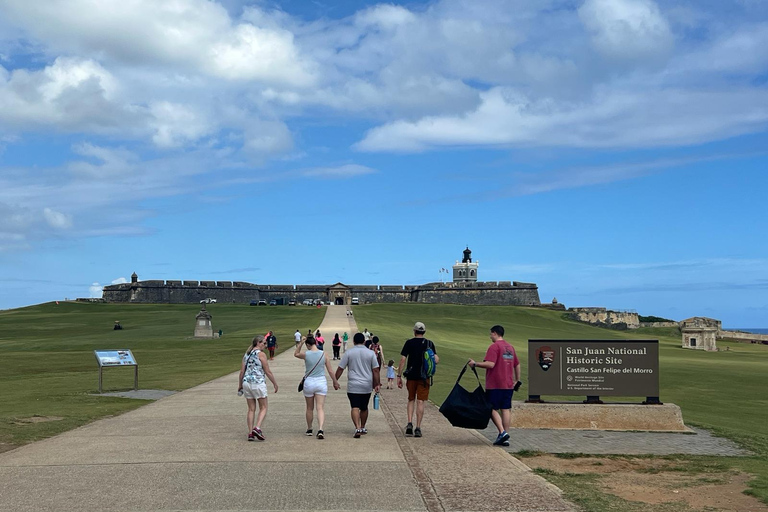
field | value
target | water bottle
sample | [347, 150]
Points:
[239, 392]
[376, 401]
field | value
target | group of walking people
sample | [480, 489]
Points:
[363, 363]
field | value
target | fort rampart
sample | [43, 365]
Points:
[743, 336]
[499, 293]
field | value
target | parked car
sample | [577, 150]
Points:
[262, 302]
[254, 302]
[273, 302]
[355, 301]
[291, 302]
[307, 302]
[208, 301]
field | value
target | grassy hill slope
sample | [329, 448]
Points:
[47, 366]
[722, 391]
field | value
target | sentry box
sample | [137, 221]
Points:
[119, 357]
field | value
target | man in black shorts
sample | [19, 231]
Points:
[361, 382]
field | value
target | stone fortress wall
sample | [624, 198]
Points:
[606, 318]
[464, 289]
[185, 292]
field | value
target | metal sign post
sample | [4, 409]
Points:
[119, 357]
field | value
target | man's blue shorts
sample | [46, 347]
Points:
[499, 398]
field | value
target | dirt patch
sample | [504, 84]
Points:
[656, 481]
[36, 419]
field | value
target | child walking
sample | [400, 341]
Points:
[391, 374]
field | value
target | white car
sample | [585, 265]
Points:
[208, 301]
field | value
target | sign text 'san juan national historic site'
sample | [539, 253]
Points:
[593, 367]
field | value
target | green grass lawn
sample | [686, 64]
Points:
[47, 366]
[722, 391]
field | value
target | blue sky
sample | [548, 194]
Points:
[612, 151]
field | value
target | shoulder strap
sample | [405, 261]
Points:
[461, 374]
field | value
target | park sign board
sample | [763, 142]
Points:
[121, 357]
[593, 368]
[116, 358]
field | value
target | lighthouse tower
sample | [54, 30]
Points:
[466, 270]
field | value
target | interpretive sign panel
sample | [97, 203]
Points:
[593, 368]
[115, 357]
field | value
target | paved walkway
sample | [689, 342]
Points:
[189, 451]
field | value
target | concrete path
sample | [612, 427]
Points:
[189, 451]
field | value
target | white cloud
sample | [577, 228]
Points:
[112, 162]
[386, 17]
[267, 137]
[174, 124]
[70, 94]
[95, 291]
[254, 53]
[221, 91]
[190, 35]
[57, 220]
[742, 51]
[622, 30]
[119, 280]
[613, 118]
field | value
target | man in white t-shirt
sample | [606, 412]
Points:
[361, 382]
[297, 337]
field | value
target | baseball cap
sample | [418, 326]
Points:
[419, 327]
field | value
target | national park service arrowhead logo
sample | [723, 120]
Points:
[546, 357]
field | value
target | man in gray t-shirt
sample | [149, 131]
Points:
[362, 380]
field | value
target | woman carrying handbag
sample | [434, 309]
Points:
[315, 387]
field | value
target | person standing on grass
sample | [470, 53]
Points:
[363, 379]
[336, 346]
[254, 386]
[315, 385]
[417, 384]
[502, 373]
[271, 345]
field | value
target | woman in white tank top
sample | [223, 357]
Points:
[316, 363]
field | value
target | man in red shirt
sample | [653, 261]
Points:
[502, 374]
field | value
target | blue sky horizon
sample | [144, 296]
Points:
[612, 151]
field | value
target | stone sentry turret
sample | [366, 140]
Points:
[466, 271]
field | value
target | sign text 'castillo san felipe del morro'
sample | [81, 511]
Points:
[464, 289]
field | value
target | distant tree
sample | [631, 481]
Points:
[654, 319]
